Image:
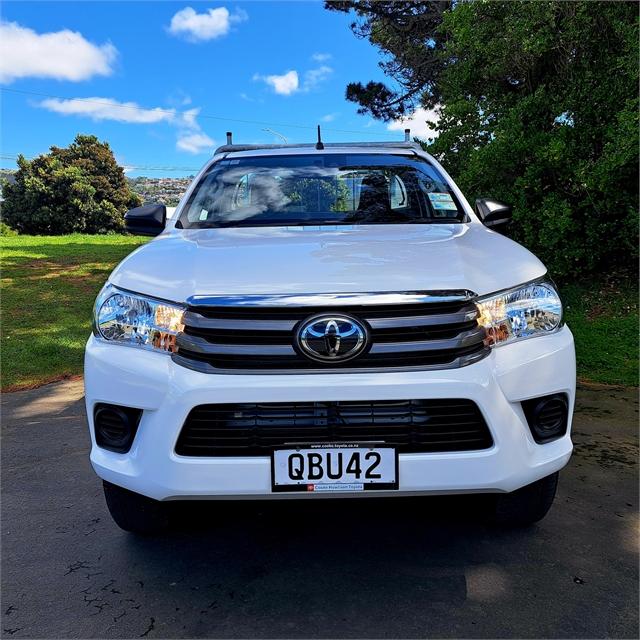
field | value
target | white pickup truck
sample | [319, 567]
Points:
[327, 321]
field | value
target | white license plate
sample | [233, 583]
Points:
[334, 467]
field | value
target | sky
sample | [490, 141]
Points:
[163, 81]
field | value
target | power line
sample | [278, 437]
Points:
[200, 115]
[125, 166]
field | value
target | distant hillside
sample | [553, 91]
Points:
[165, 190]
[8, 174]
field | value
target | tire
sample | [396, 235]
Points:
[527, 505]
[135, 513]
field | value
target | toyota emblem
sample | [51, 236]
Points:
[329, 338]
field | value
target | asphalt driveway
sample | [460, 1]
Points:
[406, 568]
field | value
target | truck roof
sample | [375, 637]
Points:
[328, 147]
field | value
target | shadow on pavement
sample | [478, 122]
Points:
[364, 568]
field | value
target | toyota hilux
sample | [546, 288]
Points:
[327, 320]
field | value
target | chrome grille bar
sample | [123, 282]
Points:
[422, 321]
[198, 321]
[201, 345]
[463, 340]
[331, 299]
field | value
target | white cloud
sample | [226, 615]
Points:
[330, 117]
[108, 109]
[314, 77]
[126, 167]
[63, 55]
[179, 98]
[200, 27]
[246, 97]
[321, 57]
[289, 83]
[189, 118]
[190, 137]
[284, 84]
[194, 142]
[421, 123]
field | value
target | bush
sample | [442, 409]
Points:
[78, 189]
[6, 230]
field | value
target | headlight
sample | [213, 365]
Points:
[533, 309]
[135, 320]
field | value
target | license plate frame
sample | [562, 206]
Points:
[334, 487]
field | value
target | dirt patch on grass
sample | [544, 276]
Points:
[601, 386]
[86, 284]
[26, 386]
[613, 293]
[603, 311]
[60, 271]
[38, 263]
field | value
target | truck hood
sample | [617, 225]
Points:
[367, 258]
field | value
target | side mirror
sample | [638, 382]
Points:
[146, 221]
[494, 214]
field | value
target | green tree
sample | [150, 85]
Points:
[317, 194]
[538, 106]
[407, 34]
[80, 188]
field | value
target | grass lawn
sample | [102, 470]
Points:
[49, 285]
[604, 319]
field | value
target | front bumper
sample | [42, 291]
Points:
[167, 392]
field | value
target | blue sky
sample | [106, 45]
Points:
[152, 77]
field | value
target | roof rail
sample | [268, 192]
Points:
[228, 148]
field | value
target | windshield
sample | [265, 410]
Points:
[319, 190]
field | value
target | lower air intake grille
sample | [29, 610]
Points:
[411, 426]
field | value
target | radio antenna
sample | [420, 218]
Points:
[319, 145]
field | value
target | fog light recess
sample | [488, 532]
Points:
[115, 426]
[547, 416]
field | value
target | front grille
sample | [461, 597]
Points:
[254, 429]
[244, 335]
